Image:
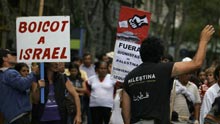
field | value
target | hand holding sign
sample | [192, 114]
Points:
[43, 39]
[41, 83]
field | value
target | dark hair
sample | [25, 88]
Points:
[19, 66]
[75, 66]
[151, 50]
[216, 72]
[168, 56]
[86, 54]
[3, 53]
[76, 58]
[99, 63]
[101, 56]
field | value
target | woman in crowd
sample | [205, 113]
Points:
[22, 68]
[101, 98]
[54, 111]
[80, 86]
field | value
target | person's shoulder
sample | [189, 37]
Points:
[212, 89]
[108, 75]
[82, 71]
[11, 71]
[192, 84]
[166, 64]
[81, 66]
[92, 77]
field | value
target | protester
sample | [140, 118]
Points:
[116, 117]
[54, 111]
[210, 76]
[22, 68]
[203, 83]
[61, 67]
[187, 98]
[89, 68]
[146, 94]
[101, 98]
[87, 65]
[202, 76]
[14, 98]
[77, 61]
[210, 96]
[80, 86]
[103, 57]
[167, 58]
[213, 117]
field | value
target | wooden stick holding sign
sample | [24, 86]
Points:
[41, 8]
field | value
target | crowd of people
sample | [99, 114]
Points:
[83, 92]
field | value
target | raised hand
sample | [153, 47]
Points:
[207, 33]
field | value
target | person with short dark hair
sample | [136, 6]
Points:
[146, 94]
[14, 98]
[88, 65]
[167, 58]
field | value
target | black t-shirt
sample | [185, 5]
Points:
[148, 87]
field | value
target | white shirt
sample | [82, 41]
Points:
[180, 104]
[208, 99]
[102, 92]
[116, 117]
[90, 71]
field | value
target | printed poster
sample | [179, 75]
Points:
[133, 27]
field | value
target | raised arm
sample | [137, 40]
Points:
[186, 67]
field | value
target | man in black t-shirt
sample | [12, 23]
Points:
[145, 99]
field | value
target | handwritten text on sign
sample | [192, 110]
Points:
[43, 39]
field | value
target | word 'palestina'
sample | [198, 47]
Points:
[142, 78]
[39, 53]
[126, 62]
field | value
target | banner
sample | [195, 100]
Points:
[133, 26]
[43, 39]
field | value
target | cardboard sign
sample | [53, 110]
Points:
[43, 39]
[133, 26]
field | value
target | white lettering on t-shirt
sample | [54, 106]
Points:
[142, 78]
[140, 96]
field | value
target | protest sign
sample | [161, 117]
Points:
[43, 39]
[133, 27]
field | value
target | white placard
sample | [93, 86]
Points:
[43, 39]
[126, 58]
